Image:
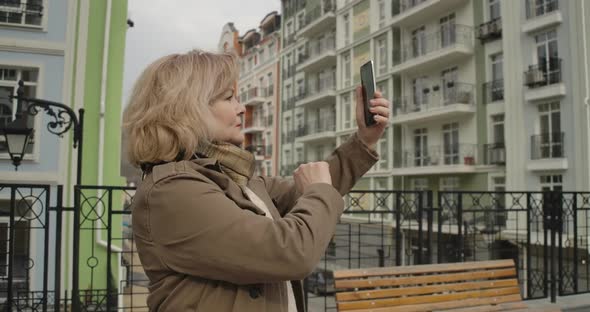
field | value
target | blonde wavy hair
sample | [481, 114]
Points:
[169, 113]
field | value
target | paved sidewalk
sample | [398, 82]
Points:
[574, 303]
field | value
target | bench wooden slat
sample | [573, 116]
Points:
[427, 307]
[421, 290]
[366, 304]
[424, 279]
[490, 308]
[422, 269]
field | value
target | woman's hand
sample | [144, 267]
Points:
[378, 106]
[310, 173]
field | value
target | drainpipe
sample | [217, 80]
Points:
[101, 125]
[587, 87]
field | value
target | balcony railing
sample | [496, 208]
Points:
[317, 48]
[546, 72]
[446, 155]
[490, 31]
[319, 11]
[435, 97]
[428, 43]
[290, 39]
[257, 150]
[405, 5]
[493, 91]
[324, 124]
[547, 145]
[536, 8]
[494, 154]
[289, 103]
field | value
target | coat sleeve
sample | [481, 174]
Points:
[348, 163]
[213, 238]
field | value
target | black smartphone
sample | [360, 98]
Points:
[368, 85]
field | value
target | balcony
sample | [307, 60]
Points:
[541, 14]
[289, 40]
[454, 100]
[544, 80]
[257, 150]
[447, 159]
[268, 120]
[319, 19]
[253, 96]
[318, 92]
[414, 12]
[434, 50]
[493, 91]
[547, 152]
[253, 125]
[322, 53]
[494, 154]
[490, 31]
[288, 137]
[288, 72]
[288, 104]
[322, 129]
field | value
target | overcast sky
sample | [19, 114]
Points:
[169, 26]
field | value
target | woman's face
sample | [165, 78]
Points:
[228, 113]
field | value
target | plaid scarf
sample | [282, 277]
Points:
[236, 162]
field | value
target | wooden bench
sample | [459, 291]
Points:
[466, 287]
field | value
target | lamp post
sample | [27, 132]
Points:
[17, 135]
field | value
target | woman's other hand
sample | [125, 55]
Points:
[378, 106]
[310, 173]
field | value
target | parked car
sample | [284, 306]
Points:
[321, 282]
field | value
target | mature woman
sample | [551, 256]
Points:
[210, 236]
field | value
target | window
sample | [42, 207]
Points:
[382, 87]
[450, 88]
[419, 42]
[498, 203]
[498, 129]
[271, 49]
[383, 148]
[421, 157]
[301, 20]
[346, 71]
[381, 55]
[22, 12]
[9, 77]
[447, 30]
[497, 88]
[261, 56]
[420, 97]
[346, 19]
[346, 114]
[451, 143]
[494, 6]
[550, 140]
[381, 7]
[548, 56]
[300, 88]
[551, 182]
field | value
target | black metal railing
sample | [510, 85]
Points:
[536, 8]
[405, 5]
[493, 91]
[257, 150]
[326, 6]
[452, 35]
[543, 232]
[546, 72]
[440, 155]
[490, 31]
[547, 145]
[324, 124]
[494, 154]
[435, 97]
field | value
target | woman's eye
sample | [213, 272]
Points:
[230, 97]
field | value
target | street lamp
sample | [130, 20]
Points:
[17, 133]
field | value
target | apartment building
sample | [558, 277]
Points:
[257, 87]
[308, 78]
[466, 115]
